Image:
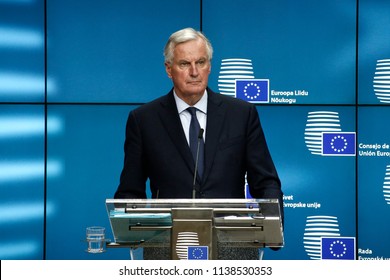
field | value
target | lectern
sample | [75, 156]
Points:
[195, 228]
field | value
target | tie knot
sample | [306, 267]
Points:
[192, 111]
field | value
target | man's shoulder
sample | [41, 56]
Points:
[154, 104]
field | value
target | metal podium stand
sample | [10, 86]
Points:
[195, 226]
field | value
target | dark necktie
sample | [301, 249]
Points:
[194, 141]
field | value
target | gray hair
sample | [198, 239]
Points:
[182, 36]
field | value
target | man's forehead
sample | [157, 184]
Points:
[194, 49]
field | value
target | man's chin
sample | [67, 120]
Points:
[196, 88]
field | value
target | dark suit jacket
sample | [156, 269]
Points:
[156, 148]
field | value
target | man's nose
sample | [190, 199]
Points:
[194, 69]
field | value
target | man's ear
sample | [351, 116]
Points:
[168, 69]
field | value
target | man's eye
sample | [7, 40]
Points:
[201, 63]
[184, 64]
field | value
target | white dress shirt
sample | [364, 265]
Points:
[185, 116]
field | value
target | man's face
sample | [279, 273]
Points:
[190, 69]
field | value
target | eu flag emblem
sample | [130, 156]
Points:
[338, 248]
[338, 143]
[253, 90]
[198, 252]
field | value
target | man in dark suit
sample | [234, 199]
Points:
[157, 145]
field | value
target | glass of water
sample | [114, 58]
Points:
[96, 239]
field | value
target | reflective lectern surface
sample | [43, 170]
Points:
[228, 222]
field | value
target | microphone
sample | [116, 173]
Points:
[200, 138]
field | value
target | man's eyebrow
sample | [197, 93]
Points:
[187, 61]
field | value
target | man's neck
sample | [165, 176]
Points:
[191, 100]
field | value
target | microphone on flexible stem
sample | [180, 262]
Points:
[200, 138]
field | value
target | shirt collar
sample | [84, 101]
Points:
[201, 105]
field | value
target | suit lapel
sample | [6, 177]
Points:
[215, 119]
[171, 121]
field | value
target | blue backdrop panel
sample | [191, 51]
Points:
[374, 52]
[313, 185]
[22, 43]
[22, 129]
[307, 46]
[85, 147]
[374, 182]
[112, 51]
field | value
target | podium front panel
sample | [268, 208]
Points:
[181, 223]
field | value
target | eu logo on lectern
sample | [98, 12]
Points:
[198, 252]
